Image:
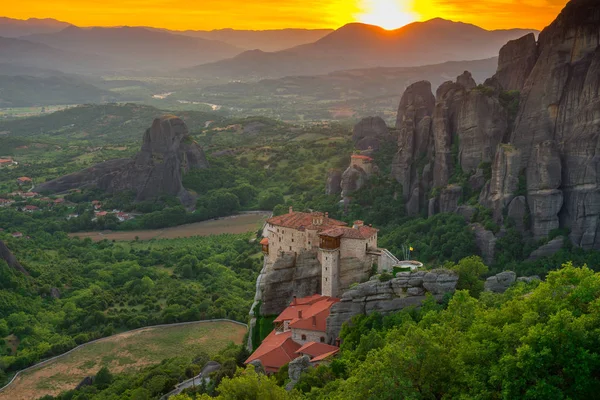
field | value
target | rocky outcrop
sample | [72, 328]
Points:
[559, 102]
[406, 290]
[485, 242]
[295, 369]
[369, 133]
[167, 150]
[517, 210]
[500, 190]
[334, 182]
[258, 366]
[10, 259]
[517, 59]
[547, 250]
[87, 381]
[291, 275]
[501, 282]
[467, 212]
[543, 181]
[413, 123]
[449, 198]
[55, 293]
[353, 179]
[466, 80]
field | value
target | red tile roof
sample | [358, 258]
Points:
[314, 318]
[24, 179]
[314, 349]
[301, 304]
[362, 232]
[275, 351]
[264, 241]
[324, 356]
[300, 220]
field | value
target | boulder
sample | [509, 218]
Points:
[501, 282]
[441, 281]
[369, 133]
[449, 198]
[167, 151]
[55, 293]
[334, 182]
[547, 250]
[485, 242]
[87, 381]
[515, 62]
[258, 366]
[295, 369]
[528, 279]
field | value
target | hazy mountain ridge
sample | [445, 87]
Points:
[134, 47]
[359, 45]
[10, 27]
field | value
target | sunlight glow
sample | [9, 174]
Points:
[388, 14]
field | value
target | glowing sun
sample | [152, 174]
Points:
[388, 14]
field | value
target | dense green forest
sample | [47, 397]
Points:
[538, 340]
[108, 287]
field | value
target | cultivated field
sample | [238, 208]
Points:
[123, 353]
[235, 224]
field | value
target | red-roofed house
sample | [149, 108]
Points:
[23, 180]
[300, 329]
[17, 235]
[5, 162]
[6, 202]
[333, 241]
[30, 208]
[364, 162]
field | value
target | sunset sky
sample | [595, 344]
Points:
[270, 14]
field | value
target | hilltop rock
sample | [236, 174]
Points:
[547, 250]
[466, 80]
[501, 282]
[167, 150]
[406, 290]
[353, 179]
[87, 381]
[369, 133]
[10, 259]
[334, 182]
[517, 59]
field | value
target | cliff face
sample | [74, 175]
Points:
[543, 150]
[166, 151]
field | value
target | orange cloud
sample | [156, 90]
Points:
[269, 14]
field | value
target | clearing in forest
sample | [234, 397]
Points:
[123, 353]
[235, 224]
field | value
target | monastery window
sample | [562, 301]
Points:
[325, 279]
[326, 258]
[277, 230]
[325, 269]
[303, 337]
[292, 240]
[322, 339]
[290, 248]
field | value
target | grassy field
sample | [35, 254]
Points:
[236, 224]
[122, 353]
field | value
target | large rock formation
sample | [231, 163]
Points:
[353, 178]
[10, 259]
[334, 182]
[369, 133]
[167, 151]
[406, 290]
[515, 62]
[499, 283]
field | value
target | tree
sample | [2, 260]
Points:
[103, 378]
[470, 270]
[269, 199]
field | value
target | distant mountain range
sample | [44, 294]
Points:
[12, 28]
[265, 40]
[364, 46]
[137, 48]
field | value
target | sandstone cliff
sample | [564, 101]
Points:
[543, 149]
[167, 151]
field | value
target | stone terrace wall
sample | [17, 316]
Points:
[407, 289]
